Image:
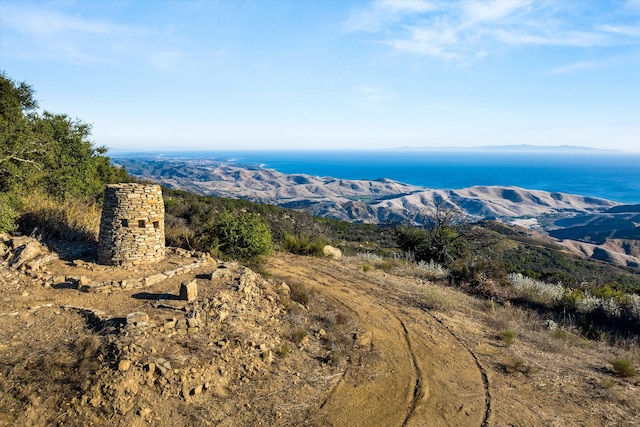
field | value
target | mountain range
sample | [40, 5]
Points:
[592, 227]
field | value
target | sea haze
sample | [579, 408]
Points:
[610, 175]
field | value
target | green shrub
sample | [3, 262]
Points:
[605, 292]
[571, 298]
[508, 336]
[385, 265]
[303, 245]
[241, 236]
[283, 351]
[623, 367]
[366, 267]
[9, 211]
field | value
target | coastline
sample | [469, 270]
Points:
[608, 175]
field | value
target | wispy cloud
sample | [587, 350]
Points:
[40, 22]
[52, 34]
[623, 30]
[464, 31]
[55, 36]
[556, 38]
[386, 12]
[490, 11]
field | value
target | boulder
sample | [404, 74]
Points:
[331, 252]
[28, 250]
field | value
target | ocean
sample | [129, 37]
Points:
[609, 175]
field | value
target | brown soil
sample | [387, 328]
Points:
[343, 348]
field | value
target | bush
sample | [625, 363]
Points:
[303, 245]
[8, 211]
[242, 236]
[623, 367]
[508, 336]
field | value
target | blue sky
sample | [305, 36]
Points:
[333, 74]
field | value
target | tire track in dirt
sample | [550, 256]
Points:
[424, 375]
[417, 390]
[483, 371]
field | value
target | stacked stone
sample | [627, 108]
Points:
[132, 225]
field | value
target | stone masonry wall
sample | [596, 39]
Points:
[132, 225]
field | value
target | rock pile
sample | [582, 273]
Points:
[198, 348]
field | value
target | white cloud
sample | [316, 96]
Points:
[386, 12]
[434, 42]
[54, 36]
[41, 22]
[571, 38]
[464, 31]
[623, 30]
[491, 11]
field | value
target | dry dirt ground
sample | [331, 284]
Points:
[335, 346]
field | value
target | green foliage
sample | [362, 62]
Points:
[571, 298]
[283, 351]
[366, 267]
[242, 236]
[508, 336]
[333, 358]
[303, 245]
[623, 367]
[385, 265]
[444, 238]
[47, 152]
[468, 269]
[9, 211]
[608, 292]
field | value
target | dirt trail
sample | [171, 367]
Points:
[422, 376]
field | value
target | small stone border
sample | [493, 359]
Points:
[33, 268]
[137, 283]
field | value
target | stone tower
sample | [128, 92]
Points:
[132, 225]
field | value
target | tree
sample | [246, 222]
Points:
[442, 238]
[20, 146]
[49, 152]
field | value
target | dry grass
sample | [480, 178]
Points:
[70, 220]
[433, 298]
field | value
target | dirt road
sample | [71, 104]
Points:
[423, 375]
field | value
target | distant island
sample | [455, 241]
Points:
[518, 148]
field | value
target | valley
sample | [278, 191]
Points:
[585, 226]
